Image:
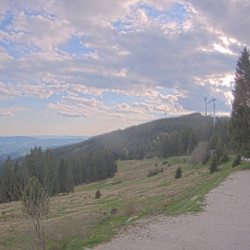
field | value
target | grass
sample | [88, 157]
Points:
[79, 220]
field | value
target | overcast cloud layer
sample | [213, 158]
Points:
[86, 67]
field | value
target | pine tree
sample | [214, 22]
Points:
[178, 173]
[65, 177]
[50, 173]
[240, 121]
[213, 165]
[11, 183]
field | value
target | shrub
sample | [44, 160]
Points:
[35, 203]
[200, 153]
[224, 157]
[98, 194]
[161, 170]
[165, 162]
[178, 173]
[214, 165]
[155, 172]
[129, 208]
[116, 182]
[236, 161]
[114, 210]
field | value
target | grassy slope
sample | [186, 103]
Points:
[78, 220]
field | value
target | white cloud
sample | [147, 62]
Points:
[231, 16]
[10, 110]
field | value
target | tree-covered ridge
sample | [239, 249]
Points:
[146, 140]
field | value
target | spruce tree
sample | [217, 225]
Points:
[240, 121]
[65, 177]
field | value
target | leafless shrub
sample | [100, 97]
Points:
[200, 152]
[129, 207]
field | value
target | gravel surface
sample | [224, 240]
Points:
[224, 225]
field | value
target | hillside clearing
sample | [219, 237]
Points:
[78, 219]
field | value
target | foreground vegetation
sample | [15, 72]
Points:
[81, 219]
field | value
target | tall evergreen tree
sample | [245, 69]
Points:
[65, 177]
[50, 173]
[11, 183]
[240, 121]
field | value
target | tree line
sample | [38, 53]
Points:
[55, 175]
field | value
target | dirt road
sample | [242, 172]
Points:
[224, 225]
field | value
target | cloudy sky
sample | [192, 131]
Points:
[85, 67]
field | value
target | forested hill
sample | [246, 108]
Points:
[146, 140]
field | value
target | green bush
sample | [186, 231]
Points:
[224, 157]
[214, 165]
[98, 194]
[114, 210]
[236, 161]
[178, 173]
[165, 162]
[155, 171]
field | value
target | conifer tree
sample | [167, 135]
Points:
[240, 121]
[65, 177]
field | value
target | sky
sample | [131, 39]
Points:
[86, 67]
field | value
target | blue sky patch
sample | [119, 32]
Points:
[151, 11]
[17, 50]
[33, 12]
[8, 18]
[74, 46]
[176, 12]
[122, 26]
[111, 99]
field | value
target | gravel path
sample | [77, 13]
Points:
[224, 225]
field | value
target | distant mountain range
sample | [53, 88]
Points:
[16, 146]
